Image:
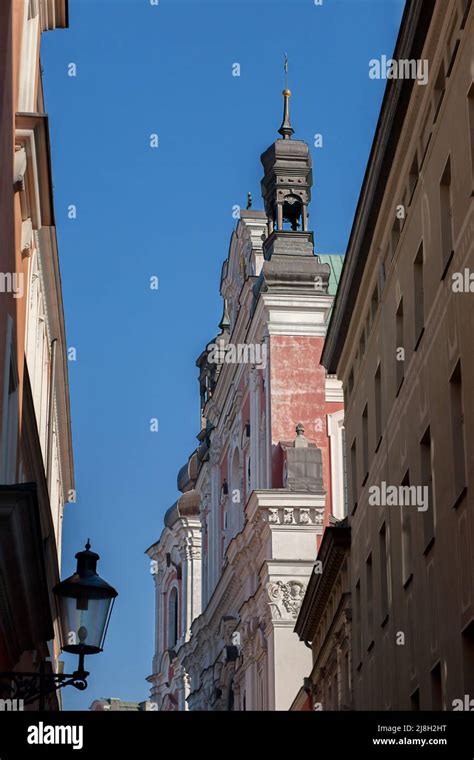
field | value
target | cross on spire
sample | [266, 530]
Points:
[286, 130]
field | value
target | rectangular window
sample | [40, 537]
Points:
[344, 470]
[172, 618]
[370, 600]
[457, 425]
[382, 277]
[351, 381]
[378, 406]
[394, 237]
[347, 681]
[384, 572]
[357, 626]
[453, 42]
[436, 688]
[10, 414]
[470, 111]
[400, 347]
[415, 700]
[365, 444]
[446, 216]
[465, 5]
[427, 483]
[12, 420]
[425, 138]
[407, 543]
[419, 296]
[335, 692]
[413, 177]
[362, 345]
[438, 92]
[354, 484]
[374, 304]
[411, 634]
[468, 659]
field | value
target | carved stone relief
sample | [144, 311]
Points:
[285, 598]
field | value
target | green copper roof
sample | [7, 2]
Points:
[335, 261]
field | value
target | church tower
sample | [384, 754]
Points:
[286, 190]
[295, 285]
[268, 472]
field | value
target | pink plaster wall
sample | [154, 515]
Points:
[297, 394]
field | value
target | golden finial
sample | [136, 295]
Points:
[286, 130]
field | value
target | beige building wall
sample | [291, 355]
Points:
[36, 463]
[407, 366]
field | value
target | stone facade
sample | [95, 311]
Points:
[324, 624]
[400, 339]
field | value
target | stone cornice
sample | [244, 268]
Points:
[51, 282]
[54, 14]
[275, 314]
[334, 549]
[282, 498]
[185, 529]
[294, 314]
[413, 30]
[244, 548]
[337, 634]
[32, 133]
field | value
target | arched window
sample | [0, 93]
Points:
[292, 211]
[262, 454]
[235, 475]
[236, 494]
[172, 618]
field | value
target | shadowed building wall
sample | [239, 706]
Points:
[400, 339]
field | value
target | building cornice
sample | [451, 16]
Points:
[54, 14]
[294, 314]
[261, 509]
[411, 38]
[32, 134]
[282, 498]
[51, 279]
[334, 548]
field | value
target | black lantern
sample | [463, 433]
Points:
[85, 604]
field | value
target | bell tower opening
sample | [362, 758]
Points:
[286, 186]
[286, 190]
[292, 211]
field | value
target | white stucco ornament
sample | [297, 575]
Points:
[285, 599]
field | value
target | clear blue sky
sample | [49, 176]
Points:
[141, 212]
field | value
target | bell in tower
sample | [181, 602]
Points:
[286, 189]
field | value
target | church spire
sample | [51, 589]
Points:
[286, 130]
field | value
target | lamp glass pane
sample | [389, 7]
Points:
[83, 622]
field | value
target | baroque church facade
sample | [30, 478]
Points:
[239, 545]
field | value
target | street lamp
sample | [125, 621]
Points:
[85, 603]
